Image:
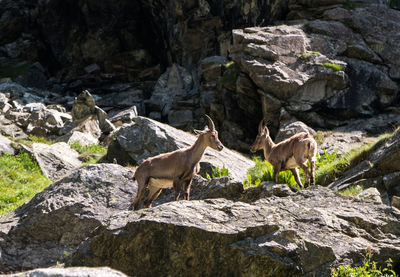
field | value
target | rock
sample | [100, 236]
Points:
[84, 106]
[89, 125]
[181, 119]
[370, 194]
[122, 100]
[396, 202]
[265, 189]
[272, 236]
[34, 77]
[124, 116]
[92, 68]
[47, 230]
[212, 67]
[56, 160]
[6, 146]
[83, 139]
[8, 128]
[221, 187]
[173, 85]
[70, 271]
[294, 75]
[146, 138]
[383, 160]
[291, 128]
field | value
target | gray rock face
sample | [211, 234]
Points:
[300, 235]
[56, 160]
[71, 272]
[146, 138]
[291, 128]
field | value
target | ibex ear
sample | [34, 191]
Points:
[198, 132]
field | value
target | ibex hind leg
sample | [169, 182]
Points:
[295, 172]
[141, 189]
[154, 192]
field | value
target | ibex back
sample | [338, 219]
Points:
[288, 154]
[174, 169]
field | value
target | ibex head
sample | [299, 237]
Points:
[210, 135]
[261, 138]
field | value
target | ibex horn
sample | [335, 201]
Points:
[261, 126]
[210, 123]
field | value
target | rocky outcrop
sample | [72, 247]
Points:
[379, 169]
[300, 235]
[84, 220]
[146, 138]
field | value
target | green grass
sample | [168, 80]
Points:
[90, 154]
[334, 67]
[368, 269]
[263, 171]
[218, 172]
[13, 69]
[20, 179]
[34, 139]
[305, 55]
[351, 191]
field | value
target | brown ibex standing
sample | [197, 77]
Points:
[174, 169]
[288, 154]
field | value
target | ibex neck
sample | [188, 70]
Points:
[197, 150]
[269, 144]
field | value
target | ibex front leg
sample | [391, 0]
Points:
[177, 188]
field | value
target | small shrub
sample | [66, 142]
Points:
[334, 67]
[368, 269]
[34, 139]
[218, 172]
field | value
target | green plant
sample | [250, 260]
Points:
[218, 172]
[305, 55]
[20, 179]
[263, 171]
[351, 191]
[333, 66]
[368, 269]
[230, 74]
[90, 154]
[32, 139]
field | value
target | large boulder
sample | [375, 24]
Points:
[46, 230]
[304, 234]
[132, 144]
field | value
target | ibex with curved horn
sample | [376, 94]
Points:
[174, 169]
[288, 154]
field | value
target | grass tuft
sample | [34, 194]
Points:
[334, 67]
[20, 179]
[90, 154]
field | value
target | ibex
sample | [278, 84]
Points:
[174, 169]
[288, 154]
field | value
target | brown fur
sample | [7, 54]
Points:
[288, 154]
[175, 168]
